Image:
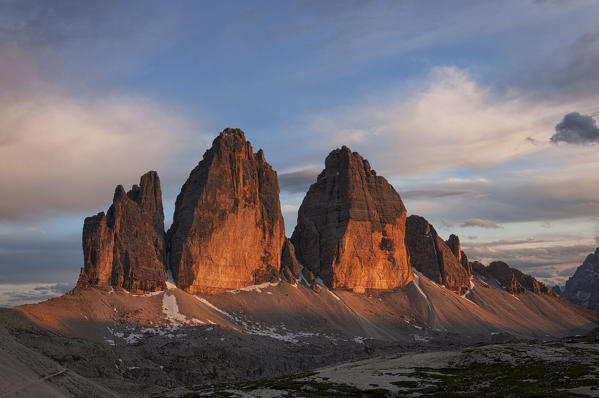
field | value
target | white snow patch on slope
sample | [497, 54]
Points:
[215, 308]
[171, 309]
[321, 283]
[255, 288]
[170, 281]
[417, 284]
[465, 295]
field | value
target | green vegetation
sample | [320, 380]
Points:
[529, 379]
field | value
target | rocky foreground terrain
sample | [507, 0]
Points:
[95, 342]
[560, 368]
[224, 298]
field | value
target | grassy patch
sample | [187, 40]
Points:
[530, 379]
[294, 386]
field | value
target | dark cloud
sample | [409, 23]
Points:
[432, 193]
[576, 129]
[478, 222]
[298, 181]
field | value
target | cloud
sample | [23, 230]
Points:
[67, 154]
[298, 181]
[565, 72]
[445, 224]
[597, 240]
[507, 242]
[432, 193]
[12, 295]
[449, 121]
[478, 222]
[568, 271]
[550, 263]
[576, 129]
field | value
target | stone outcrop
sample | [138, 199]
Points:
[290, 267]
[515, 281]
[227, 229]
[583, 287]
[350, 228]
[440, 261]
[125, 247]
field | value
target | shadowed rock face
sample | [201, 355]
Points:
[351, 227]
[438, 260]
[514, 281]
[227, 229]
[290, 267]
[125, 247]
[583, 287]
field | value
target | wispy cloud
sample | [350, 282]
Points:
[68, 154]
[478, 222]
[298, 181]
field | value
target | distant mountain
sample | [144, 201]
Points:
[583, 287]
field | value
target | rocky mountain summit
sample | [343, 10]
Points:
[512, 280]
[125, 247]
[350, 228]
[583, 287]
[228, 229]
[228, 232]
[441, 261]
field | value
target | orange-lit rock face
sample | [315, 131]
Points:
[438, 260]
[351, 227]
[126, 247]
[228, 229]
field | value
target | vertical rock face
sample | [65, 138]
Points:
[125, 247]
[227, 229]
[514, 281]
[583, 287]
[440, 261]
[290, 267]
[351, 227]
[454, 245]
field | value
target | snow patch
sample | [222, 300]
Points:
[170, 281]
[255, 288]
[171, 309]
[359, 339]
[421, 339]
[209, 304]
[465, 295]
[417, 284]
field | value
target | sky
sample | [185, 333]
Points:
[482, 114]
